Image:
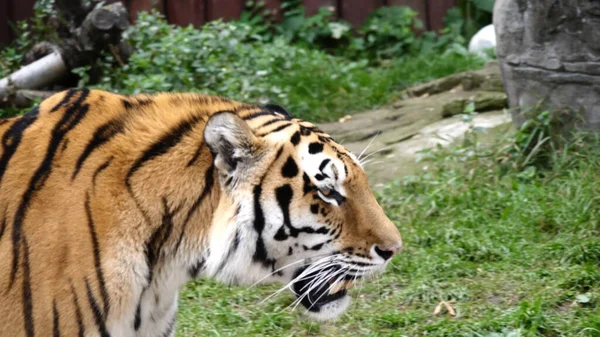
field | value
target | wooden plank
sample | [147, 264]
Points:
[21, 10]
[136, 6]
[15, 11]
[186, 12]
[224, 9]
[436, 11]
[5, 35]
[419, 6]
[312, 6]
[356, 11]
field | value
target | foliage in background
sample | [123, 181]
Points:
[29, 32]
[469, 16]
[228, 59]
[316, 67]
[388, 32]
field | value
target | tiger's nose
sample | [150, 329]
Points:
[387, 252]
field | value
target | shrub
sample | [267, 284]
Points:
[225, 59]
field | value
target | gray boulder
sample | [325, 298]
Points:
[550, 49]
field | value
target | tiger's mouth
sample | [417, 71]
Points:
[323, 290]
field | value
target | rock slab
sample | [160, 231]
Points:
[549, 50]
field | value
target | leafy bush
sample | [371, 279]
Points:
[390, 32]
[253, 61]
[40, 27]
[224, 59]
[469, 16]
[227, 59]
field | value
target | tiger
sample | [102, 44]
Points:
[110, 203]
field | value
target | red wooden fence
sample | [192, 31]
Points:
[197, 12]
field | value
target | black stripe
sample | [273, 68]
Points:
[236, 240]
[3, 225]
[137, 320]
[260, 253]
[160, 147]
[209, 179]
[195, 156]
[136, 102]
[278, 109]
[126, 104]
[56, 322]
[295, 138]
[258, 114]
[153, 247]
[98, 318]
[69, 120]
[284, 195]
[277, 129]
[337, 197]
[100, 169]
[314, 208]
[102, 135]
[66, 98]
[234, 246]
[170, 327]
[64, 146]
[96, 251]
[194, 270]
[78, 315]
[308, 186]
[272, 121]
[315, 147]
[12, 138]
[323, 164]
[27, 300]
[289, 169]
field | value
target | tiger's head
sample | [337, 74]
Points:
[296, 208]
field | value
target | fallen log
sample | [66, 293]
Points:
[100, 30]
[23, 98]
[38, 74]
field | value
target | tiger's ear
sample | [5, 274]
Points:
[231, 140]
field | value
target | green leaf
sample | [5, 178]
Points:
[484, 5]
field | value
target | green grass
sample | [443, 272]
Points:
[518, 250]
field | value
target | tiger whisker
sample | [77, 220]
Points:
[373, 162]
[368, 145]
[327, 275]
[306, 272]
[376, 152]
[278, 270]
[305, 294]
[318, 278]
[326, 292]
